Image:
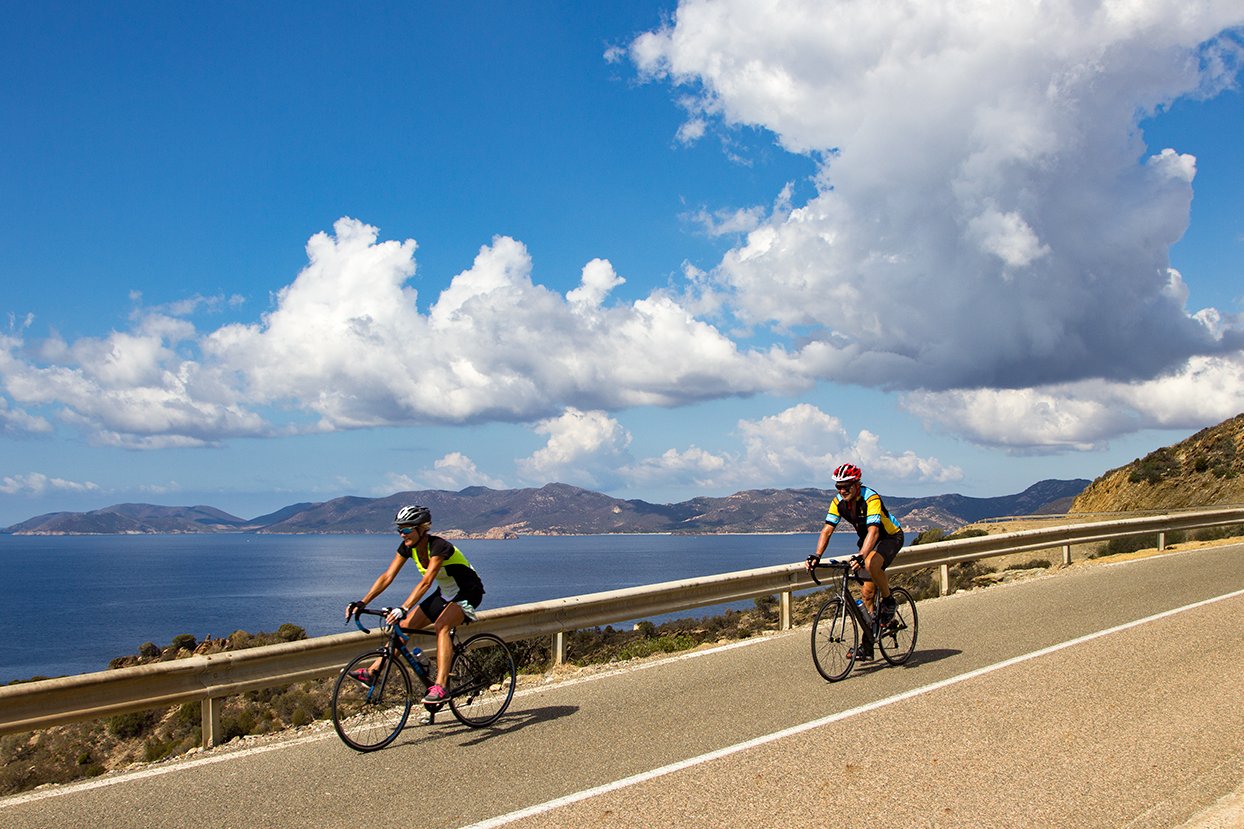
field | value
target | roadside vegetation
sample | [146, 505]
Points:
[82, 750]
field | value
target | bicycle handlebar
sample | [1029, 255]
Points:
[383, 613]
[833, 564]
[360, 611]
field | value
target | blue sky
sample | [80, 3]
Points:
[258, 255]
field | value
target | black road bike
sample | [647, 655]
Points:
[836, 640]
[370, 712]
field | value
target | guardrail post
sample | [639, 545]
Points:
[213, 727]
[1066, 554]
[944, 587]
[559, 648]
[786, 617]
[1161, 541]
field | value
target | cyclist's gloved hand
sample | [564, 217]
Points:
[812, 561]
[396, 615]
[353, 608]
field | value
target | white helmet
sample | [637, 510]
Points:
[413, 514]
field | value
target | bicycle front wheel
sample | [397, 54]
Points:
[897, 638]
[370, 715]
[835, 637]
[482, 677]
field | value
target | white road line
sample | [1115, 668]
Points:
[156, 771]
[174, 765]
[585, 794]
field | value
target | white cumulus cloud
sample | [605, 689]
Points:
[453, 471]
[987, 214]
[36, 483]
[585, 448]
[1086, 414]
[796, 447]
[350, 343]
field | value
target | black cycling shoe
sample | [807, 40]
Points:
[885, 613]
[861, 654]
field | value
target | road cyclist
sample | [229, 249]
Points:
[880, 537]
[444, 569]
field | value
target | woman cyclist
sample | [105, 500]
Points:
[443, 566]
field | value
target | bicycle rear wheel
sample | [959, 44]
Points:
[897, 638]
[482, 677]
[370, 715]
[835, 637]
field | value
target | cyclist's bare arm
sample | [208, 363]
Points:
[822, 542]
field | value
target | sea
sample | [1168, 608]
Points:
[70, 604]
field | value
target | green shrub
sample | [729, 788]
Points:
[239, 725]
[133, 724]
[974, 532]
[925, 583]
[1127, 544]
[929, 536]
[1218, 533]
[961, 574]
[1155, 467]
[183, 641]
[661, 644]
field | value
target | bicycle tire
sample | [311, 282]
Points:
[369, 717]
[835, 639]
[482, 677]
[897, 638]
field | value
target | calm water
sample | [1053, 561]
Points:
[69, 604]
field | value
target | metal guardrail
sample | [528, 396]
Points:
[209, 679]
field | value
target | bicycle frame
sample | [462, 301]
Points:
[896, 636]
[374, 709]
[867, 621]
[398, 637]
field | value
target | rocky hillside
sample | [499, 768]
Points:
[1205, 470]
[553, 509]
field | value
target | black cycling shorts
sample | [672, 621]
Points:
[433, 606]
[888, 546]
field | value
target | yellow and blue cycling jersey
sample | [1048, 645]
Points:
[865, 511]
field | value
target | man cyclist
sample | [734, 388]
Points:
[880, 539]
[443, 566]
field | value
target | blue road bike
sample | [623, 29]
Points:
[369, 713]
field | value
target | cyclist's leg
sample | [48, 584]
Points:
[882, 555]
[415, 620]
[449, 618]
[875, 562]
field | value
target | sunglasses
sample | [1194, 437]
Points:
[406, 530]
[843, 487]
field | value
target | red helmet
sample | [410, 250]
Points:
[847, 473]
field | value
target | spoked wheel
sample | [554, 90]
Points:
[897, 638]
[835, 635]
[370, 715]
[481, 680]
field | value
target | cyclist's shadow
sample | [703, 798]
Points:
[509, 722]
[917, 659]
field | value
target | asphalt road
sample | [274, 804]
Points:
[1109, 695]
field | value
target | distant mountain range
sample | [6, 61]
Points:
[553, 509]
